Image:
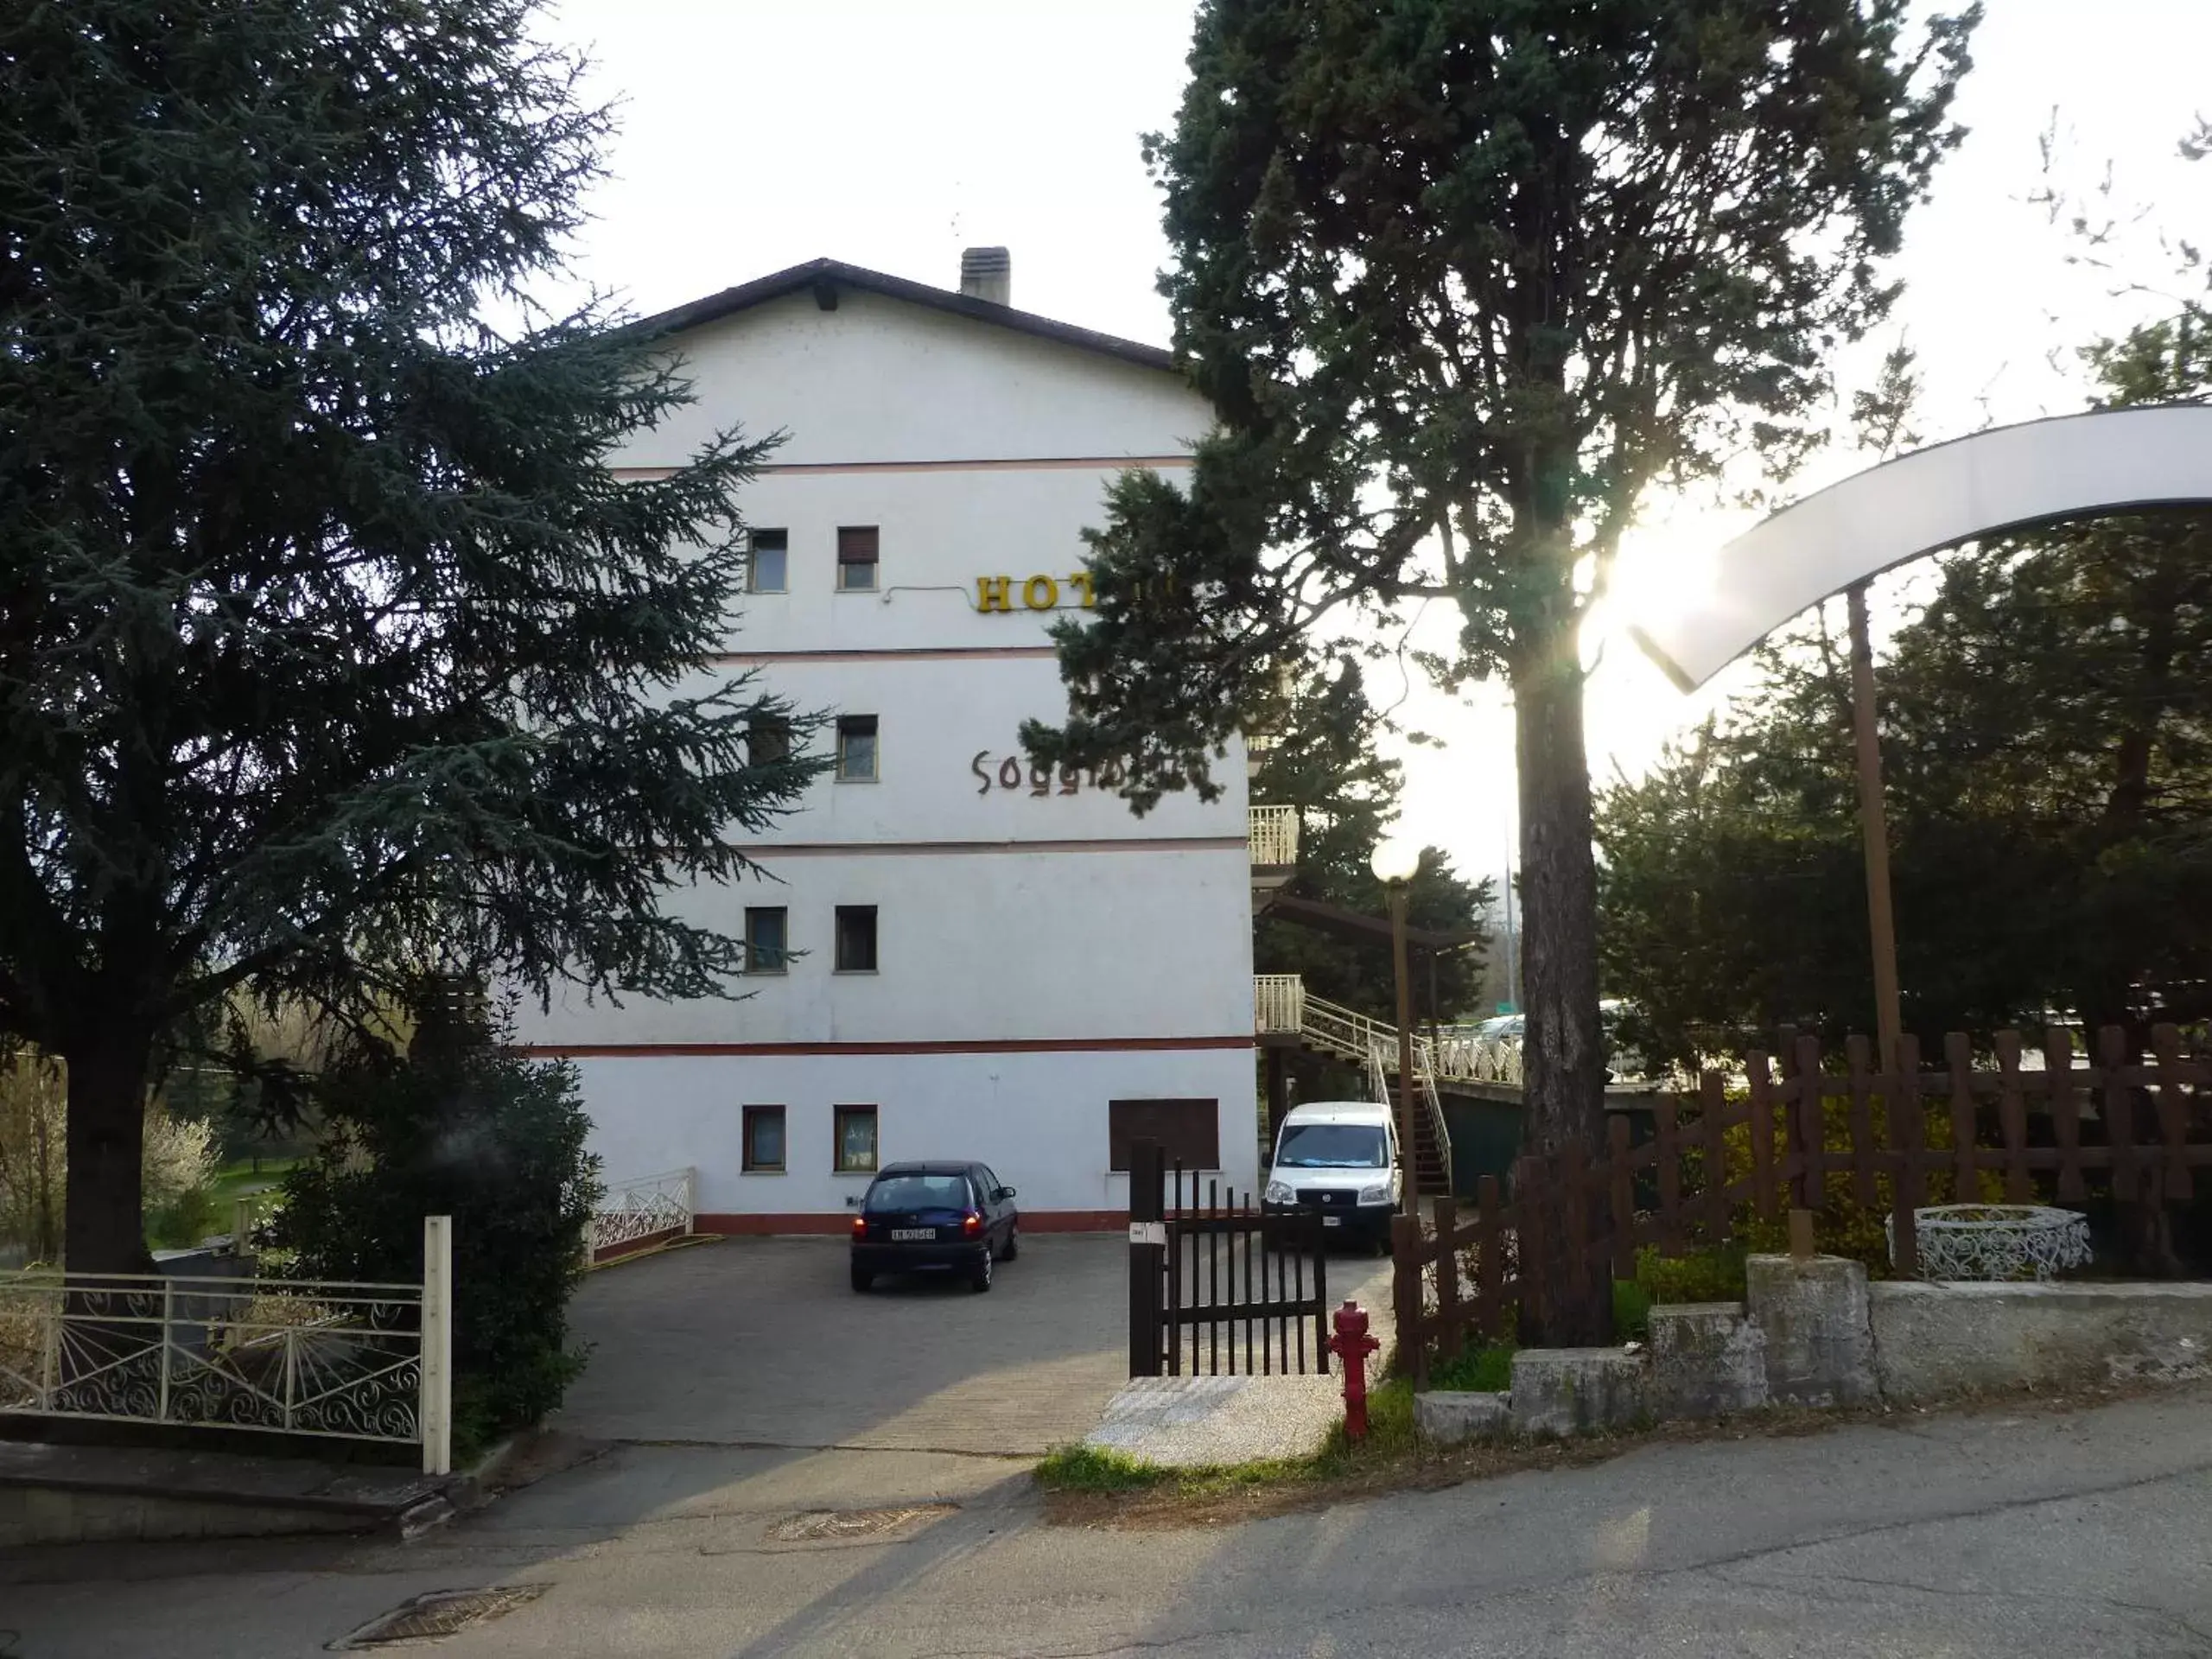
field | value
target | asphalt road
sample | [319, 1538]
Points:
[1986, 1534]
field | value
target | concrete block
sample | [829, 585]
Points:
[1447, 1416]
[1931, 1340]
[1708, 1359]
[1819, 1346]
[1571, 1390]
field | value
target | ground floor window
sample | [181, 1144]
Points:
[856, 1140]
[763, 1139]
[1188, 1130]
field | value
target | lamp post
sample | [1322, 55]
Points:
[1394, 862]
[1874, 833]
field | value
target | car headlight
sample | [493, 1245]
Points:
[1378, 1193]
[1276, 1194]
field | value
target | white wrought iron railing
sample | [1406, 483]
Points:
[1272, 831]
[348, 1361]
[647, 1207]
[1345, 1032]
[1278, 1004]
[1464, 1054]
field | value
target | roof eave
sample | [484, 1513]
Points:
[837, 274]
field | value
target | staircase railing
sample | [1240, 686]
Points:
[1425, 1080]
[1343, 1032]
[1382, 1065]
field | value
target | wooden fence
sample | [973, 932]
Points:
[1572, 1214]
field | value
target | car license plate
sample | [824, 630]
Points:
[907, 1235]
[1332, 1221]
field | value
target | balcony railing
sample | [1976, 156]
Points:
[1274, 834]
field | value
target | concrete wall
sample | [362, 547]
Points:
[1038, 1120]
[1936, 1339]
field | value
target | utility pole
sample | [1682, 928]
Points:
[1874, 832]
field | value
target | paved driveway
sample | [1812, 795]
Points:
[762, 1341]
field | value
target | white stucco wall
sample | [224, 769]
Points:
[879, 380]
[1059, 922]
[1038, 1120]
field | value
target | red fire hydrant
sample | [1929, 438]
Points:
[1352, 1345]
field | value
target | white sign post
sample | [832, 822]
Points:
[435, 1409]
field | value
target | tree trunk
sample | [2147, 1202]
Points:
[104, 1230]
[1562, 1053]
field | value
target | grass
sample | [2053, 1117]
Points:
[239, 1177]
[1391, 1440]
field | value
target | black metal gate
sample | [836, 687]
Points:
[1220, 1288]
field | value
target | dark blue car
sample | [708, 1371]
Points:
[935, 1218]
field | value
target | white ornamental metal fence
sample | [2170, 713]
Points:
[648, 1207]
[350, 1361]
[1273, 832]
[1278, 1004]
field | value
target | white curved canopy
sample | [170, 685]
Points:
[2072, 466]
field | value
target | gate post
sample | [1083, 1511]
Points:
[1148, 1253]
[434, 1409]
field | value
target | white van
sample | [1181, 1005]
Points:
[1339, 1157]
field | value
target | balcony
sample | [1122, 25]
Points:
[1272, 833]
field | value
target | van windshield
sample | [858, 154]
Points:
[1332, 1146]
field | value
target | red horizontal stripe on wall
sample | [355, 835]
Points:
[894, 654]
[978, 464]
[1005, 1045]
[1032, 1221]
[958, 849]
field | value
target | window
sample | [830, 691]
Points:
[768, 739]
[763, 1139]
[856, 1149]
[857, 938]
[766, 940]
[1189, 1131]
[908, 1193]
[769, 571]
[856, 559]
[857, 749]
[1334, 1146]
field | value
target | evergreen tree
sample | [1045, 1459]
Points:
[330, 647]
[1322, 758]
[2047, 756]
[1464, 278]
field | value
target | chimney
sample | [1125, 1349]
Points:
[987, 274]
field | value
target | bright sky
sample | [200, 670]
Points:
[892, 134]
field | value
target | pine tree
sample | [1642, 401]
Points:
[331, 649]
[1464, 279]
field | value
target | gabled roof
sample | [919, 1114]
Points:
[824, 277]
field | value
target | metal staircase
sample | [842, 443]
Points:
[1430, 1154]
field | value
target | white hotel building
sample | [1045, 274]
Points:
[984, 962]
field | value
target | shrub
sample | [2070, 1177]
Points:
[1714, 1274]
[1843, 1226]
[1484, 1367]
[496, 1143]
